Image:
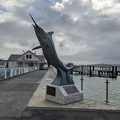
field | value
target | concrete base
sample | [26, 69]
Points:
[63, 94]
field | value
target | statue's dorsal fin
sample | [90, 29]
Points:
[50, 35]
[36, 47]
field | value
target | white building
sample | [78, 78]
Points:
[2, 63]
[27, 59]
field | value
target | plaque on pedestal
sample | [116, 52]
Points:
[51, 90]
[63, 94]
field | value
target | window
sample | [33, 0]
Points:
[22, 58]
[1, 63]
[29, 56]
[20, 64]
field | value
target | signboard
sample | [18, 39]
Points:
[70, 89]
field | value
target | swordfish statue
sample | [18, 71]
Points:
[46, 43]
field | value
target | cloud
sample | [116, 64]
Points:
[84, 31]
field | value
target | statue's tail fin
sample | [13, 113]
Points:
[69, 78]
[71, 69]
[63, 77]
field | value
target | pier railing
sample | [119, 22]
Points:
[10, 72]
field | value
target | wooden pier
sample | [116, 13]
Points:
[98, 71]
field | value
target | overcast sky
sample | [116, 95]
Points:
[85, 31]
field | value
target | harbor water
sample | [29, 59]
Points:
[94, 88]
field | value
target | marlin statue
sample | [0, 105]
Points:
[46, 43]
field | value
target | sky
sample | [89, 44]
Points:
[85, 31]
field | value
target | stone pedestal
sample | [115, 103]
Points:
[63, 94]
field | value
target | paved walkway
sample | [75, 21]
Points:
[16, 92]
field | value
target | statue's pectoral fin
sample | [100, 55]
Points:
[38, 47]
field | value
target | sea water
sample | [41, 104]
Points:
[94, 88]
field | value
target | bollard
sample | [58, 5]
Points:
[82, 83]
[107, 91]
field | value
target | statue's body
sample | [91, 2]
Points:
[47, 45]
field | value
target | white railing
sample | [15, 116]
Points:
[10, 72]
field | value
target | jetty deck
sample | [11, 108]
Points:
[97, 71]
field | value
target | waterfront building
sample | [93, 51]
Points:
[27, 59]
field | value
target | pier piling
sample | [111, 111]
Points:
[116, 72]
[90, 72]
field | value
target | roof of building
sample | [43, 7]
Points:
[15, 56]
[41, 57]
[3, 60]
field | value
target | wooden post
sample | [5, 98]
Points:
[102, 70]
[90, 72]
[93, 68]
[82, 83]
[116, 72]
[82, 69]
[112, 71]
